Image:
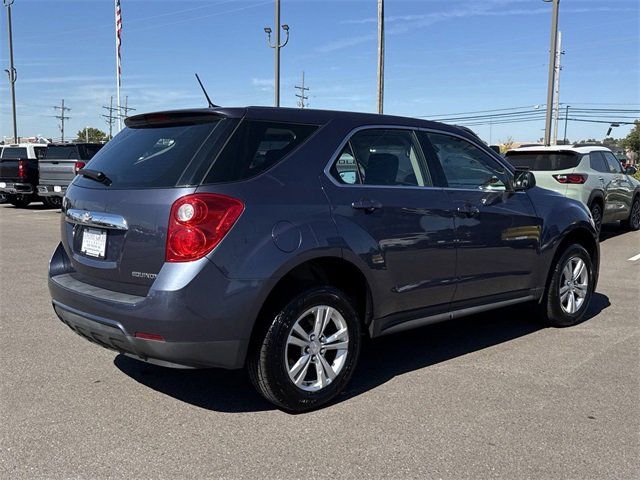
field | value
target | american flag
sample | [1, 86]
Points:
[118, 39]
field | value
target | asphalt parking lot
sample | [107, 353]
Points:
[491, 396]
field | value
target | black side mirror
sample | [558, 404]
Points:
[631, 170]
[523, 180]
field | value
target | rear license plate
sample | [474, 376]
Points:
[57, 189]
[94, 242]
[3, 185]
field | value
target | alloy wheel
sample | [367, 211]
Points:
[596, 213]
[574, 285]
[635, 214]
[317, 348]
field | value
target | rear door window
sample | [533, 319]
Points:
[150, 156]
[384, 157]
[256, 146]
[543, 161]
[598, 162]
[14, 152]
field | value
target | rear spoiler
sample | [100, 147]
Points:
[174, 118]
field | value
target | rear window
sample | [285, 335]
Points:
[14, 152]
[62, 152]
[543, 161]
[254, 147]
[88, 151]
[149, 157]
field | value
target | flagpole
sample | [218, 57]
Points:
[118, 16]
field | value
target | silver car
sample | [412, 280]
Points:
[590, 174]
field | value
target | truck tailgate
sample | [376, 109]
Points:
[59, 172]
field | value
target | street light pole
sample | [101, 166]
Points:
[13, 75]
[552, 70]
[277, 46]
[380, 56]
[566, 118]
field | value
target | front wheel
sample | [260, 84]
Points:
[567, 297]
[633, 222]
[309, 351]
[52, 202]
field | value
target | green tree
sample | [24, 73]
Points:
[91, 134]
[632, 142]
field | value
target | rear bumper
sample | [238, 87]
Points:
[205, 318]
[112, 335]
[52, 190]
[11, 188]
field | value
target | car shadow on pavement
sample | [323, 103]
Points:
[381, 359]
[611, 231]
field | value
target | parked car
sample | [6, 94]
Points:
[278, 239]
[19, 172]
[59, 165]
[590, 174]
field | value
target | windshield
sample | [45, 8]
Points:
[149, 157]
[543, 161]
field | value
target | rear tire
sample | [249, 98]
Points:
[570, 288]
[297, 364]
[52, 202]
[596, 213]
[633, 222]
[19, 201]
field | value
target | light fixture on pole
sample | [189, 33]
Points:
[611, 128]
[552, 69]
[277, 46]
[11, 71]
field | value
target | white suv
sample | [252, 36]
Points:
[591, 174]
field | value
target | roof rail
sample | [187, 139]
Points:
[576, 145]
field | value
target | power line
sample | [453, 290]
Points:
[62, 117]
[111, 117]
[124, 113]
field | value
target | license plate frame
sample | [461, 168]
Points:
[94, 242]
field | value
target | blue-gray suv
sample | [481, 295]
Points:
[278, 239]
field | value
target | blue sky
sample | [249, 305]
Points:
[441, 57]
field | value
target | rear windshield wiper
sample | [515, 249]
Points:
[96, 175]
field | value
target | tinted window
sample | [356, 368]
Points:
[62, 152]
[88, 151]
[389, 157]
[14, 152]
[614, 165]
[543, 161]
[150, 157]
[465, 165]
[346, 169]
[254, 147]
[598, 162]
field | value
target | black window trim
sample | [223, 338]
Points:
[509, 170]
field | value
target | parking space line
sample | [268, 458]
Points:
[634, 258]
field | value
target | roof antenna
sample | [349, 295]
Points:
[211, 104]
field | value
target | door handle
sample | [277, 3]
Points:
[601, 179]
[366, 205]
[468, 211]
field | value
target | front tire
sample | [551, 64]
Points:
[567, 297]
[52, 202]
[633, 222]
[596, 213]
[309, 351]
[19, 201]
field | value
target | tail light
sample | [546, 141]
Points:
[22, 168]
[78, 166]
[198, 223]
[573, 178]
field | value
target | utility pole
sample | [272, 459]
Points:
[11, 71]
[302, 96]
[556, 104]
[111, 118]
[566, 119]
[380, 56]
[277, 46]
[125, 110]
[62, 117]
[552, 61]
